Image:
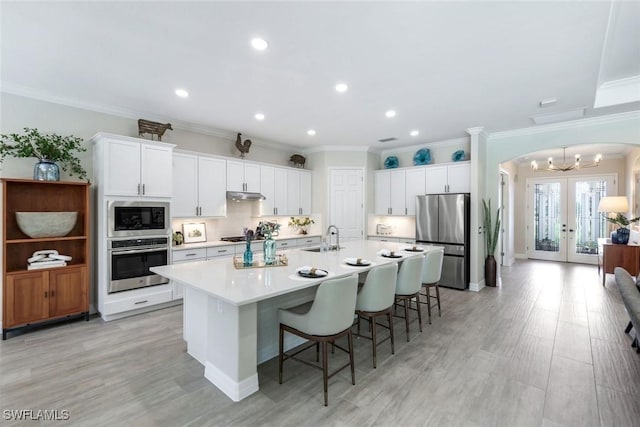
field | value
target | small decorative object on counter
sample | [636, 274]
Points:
[458, 156]
[49, 149]
[391, 162]
[298, 160]
[243, 147]
[178, 238]
[268, 229]
[422, 157]
[247, 257]
[153, 128]
[194, 233]
[301, 225]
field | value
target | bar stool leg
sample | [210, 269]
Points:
[428, 302]
[419, 311]
[372, 321]
[280, 355]
[353, 371]
[325, 372]
[390, 317]
[438, 299]
[406, 316]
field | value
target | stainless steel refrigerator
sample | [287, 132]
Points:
[443, 220]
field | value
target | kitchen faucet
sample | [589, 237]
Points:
[337, 233]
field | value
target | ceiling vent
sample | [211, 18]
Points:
[387, 139]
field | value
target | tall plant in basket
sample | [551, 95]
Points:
[491, 234]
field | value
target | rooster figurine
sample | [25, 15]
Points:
[243, 147]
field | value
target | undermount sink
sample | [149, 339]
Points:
[331, 248]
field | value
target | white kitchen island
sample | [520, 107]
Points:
[231, 315]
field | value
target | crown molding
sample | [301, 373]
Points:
[333, 148]
[475, 130]
[616, 92]
[413, 148]
[135, 115]
[580, 123]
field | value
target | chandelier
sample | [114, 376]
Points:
[565, 167]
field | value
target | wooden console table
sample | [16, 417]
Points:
[625, 256]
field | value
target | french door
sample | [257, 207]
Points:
[563, 219]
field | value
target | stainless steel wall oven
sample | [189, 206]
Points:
[130, 260]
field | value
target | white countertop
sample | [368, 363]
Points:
[215, 243]
[219, 278]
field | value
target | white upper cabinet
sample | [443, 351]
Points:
[298, 195]
[455, 178]
[459, 178]
[390, 190]
[243, 176]
[415, 186]
[280, 196]
[199, 186]
[268, 190]
[135, 168]
[212, 186]
[185, 185]
[436, 179]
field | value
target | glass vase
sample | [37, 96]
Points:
[248, 255]
[269, 250]
[46, 170]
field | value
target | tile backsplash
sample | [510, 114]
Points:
[240, 215]
[402, 226]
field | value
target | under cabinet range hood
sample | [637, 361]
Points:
[242, 195]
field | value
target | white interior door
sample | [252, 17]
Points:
[563, 219]
[346, 204]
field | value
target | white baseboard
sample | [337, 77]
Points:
[116, 316]
[476, 287]
[521, 256]
[235, 390]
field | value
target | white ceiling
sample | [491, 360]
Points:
[444, 66]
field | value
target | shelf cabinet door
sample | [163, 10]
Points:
[293, 193]
[459, 178]
[398, 192]
[305, 193]
[252, 178]
[122, 168]
[212, 186]
[415, 186]
[235, 176]
[68, 291]
[26, 298]
[268, 190]
[436, 179]
[382, 186]
[184, 200]
[281, 193]
[156, 171]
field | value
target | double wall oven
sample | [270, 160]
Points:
[138, 239]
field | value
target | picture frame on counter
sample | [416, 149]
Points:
[194, 232]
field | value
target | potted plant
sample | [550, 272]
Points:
[301, 224]
[49, 149]
[621, 235]
[491, 242]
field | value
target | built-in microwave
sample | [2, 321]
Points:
[133, 218]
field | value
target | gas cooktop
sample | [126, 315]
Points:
[235, 239]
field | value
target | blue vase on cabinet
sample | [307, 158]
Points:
[269, 250]
[248, 255]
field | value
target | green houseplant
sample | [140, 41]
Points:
[49, 149]
[492, 231]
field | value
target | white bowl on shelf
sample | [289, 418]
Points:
[46, 224]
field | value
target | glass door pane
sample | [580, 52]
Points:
[546, 214]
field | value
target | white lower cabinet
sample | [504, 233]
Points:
[286, 243]
[308, 242]
[384, 239]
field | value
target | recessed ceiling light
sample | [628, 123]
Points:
[311, 132]
[259, 116]
[414, 133]
[341, 87]
[259, 44]
[390, 113]
[182, 93]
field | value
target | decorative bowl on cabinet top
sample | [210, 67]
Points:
[391, 162]
[422, 157]
[46, 224]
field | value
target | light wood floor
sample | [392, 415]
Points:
[547, 348]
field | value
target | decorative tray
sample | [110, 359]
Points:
[281, 261]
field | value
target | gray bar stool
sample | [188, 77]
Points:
[327, 318]
[431, 278]
[408, 287]
[375, 299]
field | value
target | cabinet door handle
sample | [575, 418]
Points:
[196, 211]
[406, 211]
[194, 254]
[46, 294]
[138, 189]
[141, 302]
[222, 251]
[52, 294]
[143, 191]
[283, 244]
